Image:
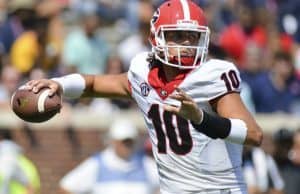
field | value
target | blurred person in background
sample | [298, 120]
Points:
[40, 45]
[31, 49]
[137, 41]
[84, 50]
[111, 106]
[53, 11]
[253, 66]
[292, 171]
[119, 169]
[261, 172]
[110, 10]
[289, 170]
[278, 89]
[116, 66]
[126, 14]
[18, 175]
[10, 79]
[20, 14]
[246, 29]
[294, 154]
[219, 15]
[289, 18]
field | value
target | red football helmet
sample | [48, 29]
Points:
[179, 15]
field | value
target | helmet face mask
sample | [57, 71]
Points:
[179, 42]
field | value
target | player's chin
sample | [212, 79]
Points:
[186, 60]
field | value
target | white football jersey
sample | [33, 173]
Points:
[187, 160]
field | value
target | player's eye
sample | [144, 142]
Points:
[182, 36]
[193, 36]
[173, 36]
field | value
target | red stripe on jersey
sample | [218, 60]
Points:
[158, 81]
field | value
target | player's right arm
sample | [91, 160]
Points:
[77, 85]
[106, 86]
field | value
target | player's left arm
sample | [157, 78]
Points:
[231, 106]
[232, 123]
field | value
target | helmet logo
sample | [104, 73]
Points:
[187, 22]
[155, 16]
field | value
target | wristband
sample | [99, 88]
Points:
[214, 126]
[238, 132]
[72, 85]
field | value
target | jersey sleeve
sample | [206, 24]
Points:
[137, 72]
[223, 77]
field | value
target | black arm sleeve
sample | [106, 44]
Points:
[213, 126]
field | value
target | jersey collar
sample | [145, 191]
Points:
[158, 81]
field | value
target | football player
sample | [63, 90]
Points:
[192, 108]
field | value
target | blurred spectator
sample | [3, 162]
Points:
[18, 174]
[277, 89]
[289, 17]
[10, 78]
[219, 14]
[115, 10]
[283, 140]
[53, 10]
[261, 172]
[111, 106]
[31, 49]
[119, 169]
[253, 63]
[20, 16]
[294, 154]
[3, 11]
[138, 40]
[25, 51]
[84, 50]
[115, 66]
[252, 68]
[216, 51]
[247, 29]
[246, 96]
[37, 73]
[135, 43]
[127, 13]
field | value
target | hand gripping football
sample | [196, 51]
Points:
[35, 107]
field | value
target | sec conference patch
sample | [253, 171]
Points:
[145, 89]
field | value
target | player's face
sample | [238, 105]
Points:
[182, 38]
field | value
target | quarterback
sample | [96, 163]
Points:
[191, 105]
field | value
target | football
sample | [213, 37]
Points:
[35, 107]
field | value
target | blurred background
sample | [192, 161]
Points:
[50, 38]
